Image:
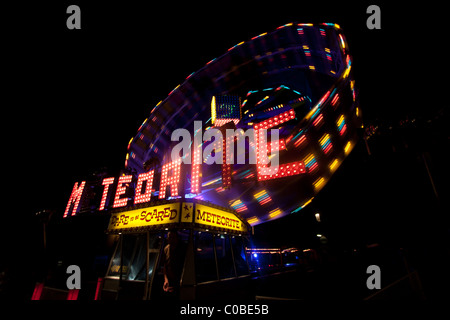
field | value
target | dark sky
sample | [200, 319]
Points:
[76, 97]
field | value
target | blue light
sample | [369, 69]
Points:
[255, 255]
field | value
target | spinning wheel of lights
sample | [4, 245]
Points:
[296, 78]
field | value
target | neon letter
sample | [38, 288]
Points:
[121, 189]
[171, 181]
[146, 196]
[106, 182]
[75, 197]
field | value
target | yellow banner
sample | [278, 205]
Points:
[213, 217]
[150, 216]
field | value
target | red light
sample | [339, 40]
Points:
[284, 170]
[37, 291]
[121, 189]
[106, 182]
[146, 196]
[195, 173]
[172, 180]
[73, 294]
[318, 120]
[75, 197]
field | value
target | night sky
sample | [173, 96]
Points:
[74, 98]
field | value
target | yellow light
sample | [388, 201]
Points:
[337, 26]
[309, 158]
[259, 194]
[347, 72]
[307, 202]
[262, 34]
[324, 138]
[318, 183]
[275, 212]
[213, 109]
[312, 67]
[209, 216]
[341, 118]
[237, 202]
[252, 220]
[348, 146]
[333, 165]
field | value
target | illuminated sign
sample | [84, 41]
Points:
[213, 217]
[170, 214]
[145, 217]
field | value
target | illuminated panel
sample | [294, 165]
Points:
[275, 121]
[252, 220]
[275, 212]
[300, 140]
[333, 165]
[335, 100]
[318, 120]
[311, 163]
[221, 122]
[262, 197]
[106, 182]
[325, 143]
[75, 197]
[226, 168]
[283, 170]
[145, 217]
[225, 109]
[146, 196]
[238, 205]
[342, 126]
[172, 180]
[196, 173]
[213, 217]
[121, 189]
[348, 147]
[318, 184]
[213, 110]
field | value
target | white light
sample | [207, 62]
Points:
[317, 215]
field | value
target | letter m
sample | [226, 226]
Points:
[75, 198]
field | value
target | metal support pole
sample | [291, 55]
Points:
[147, 264]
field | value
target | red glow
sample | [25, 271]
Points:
[318, 120]
[106, 182]
[172, 180]
[37, 291]
[283, 170]
[146, 196]
[73, 294]
[98, 289]
[121, 189]
[276, 121]
[226, 168]
[75, 197]
[300, 141]
[195, 173]
[335, 100]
